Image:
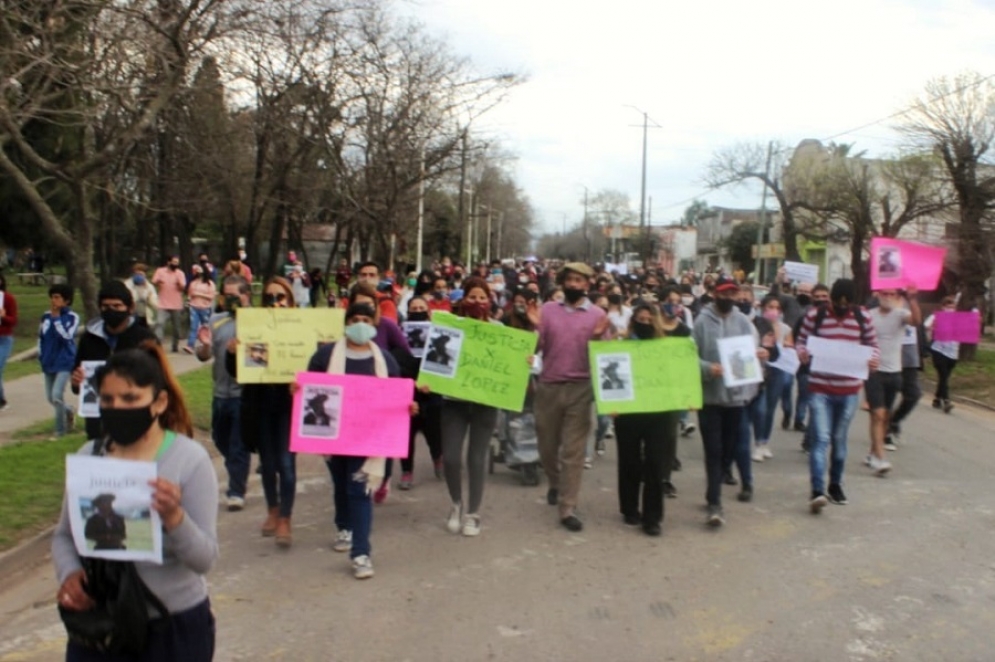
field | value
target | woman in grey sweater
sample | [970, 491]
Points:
[144, 416]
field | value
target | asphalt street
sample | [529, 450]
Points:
[905, 572]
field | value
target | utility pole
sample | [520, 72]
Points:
[759, 268]
[421, 214]
[469, 235]
[587, 239]
[642, 198]
[462, 187]
[487, 252]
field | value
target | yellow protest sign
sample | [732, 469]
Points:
[274, 344]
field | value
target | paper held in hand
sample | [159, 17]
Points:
[89, 399]
[109, 502]
[787, 361]
[839, 357]
[740, 365]
[800, 272]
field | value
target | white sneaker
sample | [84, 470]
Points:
[453, 523]
[471, 526]
[362, 567]
[343, 541]
[588, 463]
[235, 503]
[867, 460]
[758, 454]
[879, 467]
[768, 454]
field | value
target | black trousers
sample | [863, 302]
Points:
[910, 397]
[429, 422]
[720, 432]
[944, 368]
[646, 444]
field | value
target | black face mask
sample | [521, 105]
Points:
[174, 267]
[840, 311]
[438, 295]
[573, 295]
[232, 303]
[126, 426]
[744, 306]
[114, 318]
[804, 299]
[724, 306]
[643, 331]
[615, 299]
[419, 316]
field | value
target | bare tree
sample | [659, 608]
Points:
[955, 119]
[748, 162]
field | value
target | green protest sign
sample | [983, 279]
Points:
[477, 361]
[636, 376]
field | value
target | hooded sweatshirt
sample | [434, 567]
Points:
[57, 341]
[708, 329]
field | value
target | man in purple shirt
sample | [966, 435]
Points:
[564, 394]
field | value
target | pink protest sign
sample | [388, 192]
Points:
[964, 326]
[896, 264]
[351, 415]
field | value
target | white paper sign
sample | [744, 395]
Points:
[740, 365]
[442, 351]
[622, 268]
[787, 361]
[110, 508]
[911, 336]
[89, 399]
[615, 377]
[839, 357]
[801, 272]
[416, 333]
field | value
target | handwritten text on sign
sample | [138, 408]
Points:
[274, 344]
[477, 361]
[664, 375]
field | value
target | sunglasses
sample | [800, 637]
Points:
[274, 298]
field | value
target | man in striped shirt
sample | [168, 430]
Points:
[833, 398]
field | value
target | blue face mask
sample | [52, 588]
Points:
[138, 279]
[360, 333]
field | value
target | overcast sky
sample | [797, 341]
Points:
[711, 73]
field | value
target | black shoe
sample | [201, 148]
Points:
[835, 494]
[530, 475]
[817, 502]
[947, 406]
[746, 494]
[688, 429]
[652, 529]
[937, 404]
[800, 427]
[572, 523]
[676, 465]
[552, 496]
[632, 520]
[669, 490]
[729, 479]
[785, 422]
[715, 516]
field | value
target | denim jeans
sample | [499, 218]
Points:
[801, 400]
[6, 346]
[226, 430]
[776, 387]
[720, 434]
[55, 393]
[830, 420]
[353, 506]
[275, 459]
[198, 316]
[786, 401]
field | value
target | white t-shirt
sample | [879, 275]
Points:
[890, 329]
[620, 320]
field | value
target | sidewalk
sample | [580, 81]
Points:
[27, 404]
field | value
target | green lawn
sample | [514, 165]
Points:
[972, 379]
[32, 473]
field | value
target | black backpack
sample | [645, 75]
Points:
[119, 623]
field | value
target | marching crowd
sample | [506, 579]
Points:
[143, 414]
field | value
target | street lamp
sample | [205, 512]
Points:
[642, 190]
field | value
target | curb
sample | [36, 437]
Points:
[960, 399]
[26, 556]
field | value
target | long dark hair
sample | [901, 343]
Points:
[147, 365]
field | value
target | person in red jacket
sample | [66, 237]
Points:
[8, 320]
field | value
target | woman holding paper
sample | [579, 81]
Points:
[458, 417]
[355, 478]
[776, 380]
[945, 354]
[145, 418]
[647, 443]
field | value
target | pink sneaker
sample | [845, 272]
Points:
[382, 492]
[407, 481]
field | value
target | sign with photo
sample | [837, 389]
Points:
[896, 264]
[89, 398]
[353, 415]
[110, 508]
[416, 333]
[641, 376]
[477, 361]
[274, 344]
[740, 365]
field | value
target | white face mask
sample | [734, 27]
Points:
[360, 332]
[687, 301]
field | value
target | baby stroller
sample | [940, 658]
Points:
[517, 442]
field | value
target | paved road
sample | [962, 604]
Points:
[28, 404]
[905, 572]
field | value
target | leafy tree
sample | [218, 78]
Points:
[740, 244]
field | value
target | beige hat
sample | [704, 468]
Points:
[580, 268]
